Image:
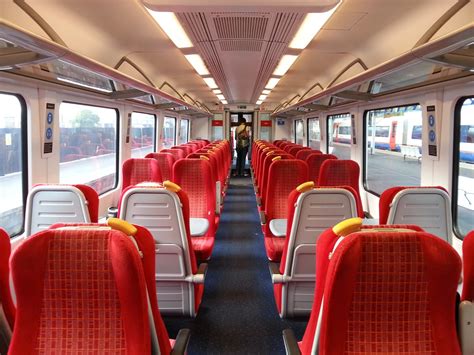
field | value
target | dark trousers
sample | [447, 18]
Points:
[240, 164]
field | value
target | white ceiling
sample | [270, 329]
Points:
[107, 30]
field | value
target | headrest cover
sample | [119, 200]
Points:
[203, 157]
[171, 186]
[122, 226]
[347, 226]
[276, 158]
[305, 186]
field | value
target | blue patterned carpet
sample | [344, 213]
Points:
[238, 314]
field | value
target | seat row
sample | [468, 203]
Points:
[84, 288]
[277, 173]
[387, 289]
[183, 218]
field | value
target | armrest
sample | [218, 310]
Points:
[181, 342]
[277, 278]
[200, 275]
[263, 218]
[291, 345]
[466, 327]
[218, 197]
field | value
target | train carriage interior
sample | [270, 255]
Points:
[236, 177]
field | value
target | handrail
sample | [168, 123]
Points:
[35, 43]
[441, 45]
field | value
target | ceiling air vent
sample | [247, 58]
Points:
[240, 27]
[239, 45]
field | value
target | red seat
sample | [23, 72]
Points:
[165, 162]
[385, 292]
[285, 175]
[468, 267]
[177, 153]
[303, 153]
[164, 224]
[294, 150]
[314, 161]
[264, 172]
[195, 178]
[308, 217]
[86, 292]
[137, 170]
[336, 172]
[7, 307]
[187, 150]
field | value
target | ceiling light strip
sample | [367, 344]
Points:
[170, 25]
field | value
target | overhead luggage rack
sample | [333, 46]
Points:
[26, 54]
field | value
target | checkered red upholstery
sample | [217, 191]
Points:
[177, 153]
[468, 267]
[195, 178]
[385, 292]
[137, 170]
[165, 162]
[304, 153]
[80, 291]
[314, 161]
[6, 301]
[294, 150]
[336, 172]
[285, 175]
[187, 150]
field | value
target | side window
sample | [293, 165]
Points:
[339, 135]
[183, 131]
[314, 133]
[299, 132]
[463, 179]
[142, 134]
[169, 132]
[13, 174]
[392, 143]
[88, 153]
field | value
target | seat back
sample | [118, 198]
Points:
[195, 177]
[310, 212]
[187, 150]
[49, 204]
[468, 267]
[427, 207]
[164, 211]
[177, 153]
[165, 163]
[285, 176]
[304, 153]
[389, 290]
[137, 170]
[7, 307]
[314, 161]
[294, 150]
[80, 290]
[337, 172]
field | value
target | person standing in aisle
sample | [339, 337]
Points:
[242, 147]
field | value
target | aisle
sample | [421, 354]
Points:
[238, 313]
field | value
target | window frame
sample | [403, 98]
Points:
[154, 128]
[117, 139]
[295, 122]
[456, 152]
[327, 128]
[24, 155]
[175, 130]
[364, 141]
[187, 130]
[307, 130]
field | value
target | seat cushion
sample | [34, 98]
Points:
[278, 227]
[198, 226]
